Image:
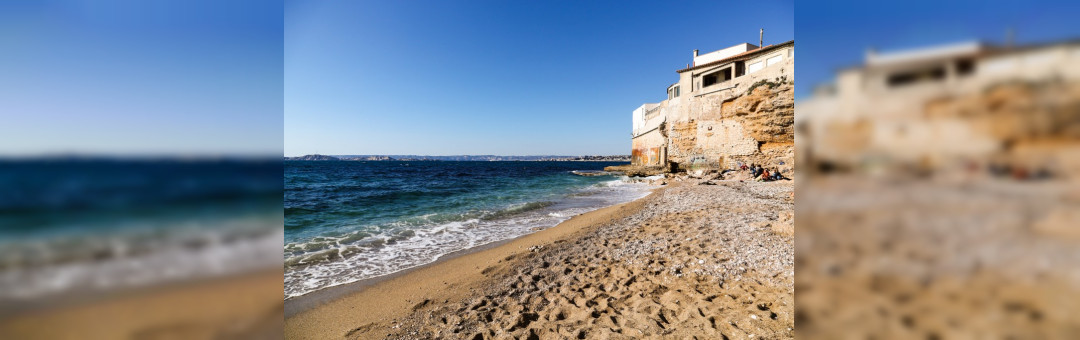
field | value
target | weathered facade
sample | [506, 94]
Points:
[733, 105]
[951, 106]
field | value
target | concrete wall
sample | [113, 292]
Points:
[721, 54]
[648, 149]
[639, 117]
[648, 142]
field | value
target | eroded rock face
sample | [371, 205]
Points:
[1029, 124]
[766, 114]
[756, 126]
[1017, 112]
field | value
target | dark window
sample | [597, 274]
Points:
[965, 67]
[708, 80]
[740, 68]
[716, 77]
[910, 77]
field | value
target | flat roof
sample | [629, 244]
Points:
[740, 56]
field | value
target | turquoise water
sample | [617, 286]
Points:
[347, 221]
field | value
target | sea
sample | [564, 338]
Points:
[347, 221]
[87, 226]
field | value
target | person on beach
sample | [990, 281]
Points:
[776, 176]
[764, 175]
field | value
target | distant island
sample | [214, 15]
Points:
[471, 158]
[313, 158]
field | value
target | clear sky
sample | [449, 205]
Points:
[836, 34]
[494, 77]
[134, 77]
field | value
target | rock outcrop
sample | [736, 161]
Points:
[722, 132]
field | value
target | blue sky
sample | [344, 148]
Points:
[836, 34]
[131, 77]
[494, 77]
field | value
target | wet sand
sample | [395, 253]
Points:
[710, 261]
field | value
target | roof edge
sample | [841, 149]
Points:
[746, 54]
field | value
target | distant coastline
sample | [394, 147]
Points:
[467, 158]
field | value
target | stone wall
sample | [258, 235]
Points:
[752, 121]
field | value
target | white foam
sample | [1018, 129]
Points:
[428, 243]
[165, 259]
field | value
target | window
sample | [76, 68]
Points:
[708, 80]
[673, 91]
[740, 68]
[716, 77]
[965, 67]
[910, 77]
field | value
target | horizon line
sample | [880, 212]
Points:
[458, 155]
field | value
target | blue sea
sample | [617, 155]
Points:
[346, 221]
[95, 225]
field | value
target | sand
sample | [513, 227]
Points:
[927, 259]
[244, 306]
[690, 260]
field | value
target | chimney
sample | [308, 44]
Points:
[1010, 37]
[761, 38]
[695, 53]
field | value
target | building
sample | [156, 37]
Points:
[945, 106]
[729, 106]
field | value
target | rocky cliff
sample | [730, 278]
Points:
[1031, 124]
[721, 130]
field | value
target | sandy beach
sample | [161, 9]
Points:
[690, 260]
[243, 306]
[938, 259]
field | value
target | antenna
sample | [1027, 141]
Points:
[761, 38]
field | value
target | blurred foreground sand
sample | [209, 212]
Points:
[941, 197]
[238, 307]
[937, 259]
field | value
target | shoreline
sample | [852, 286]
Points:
[314, 299]
[313, 315]
[651, 267]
